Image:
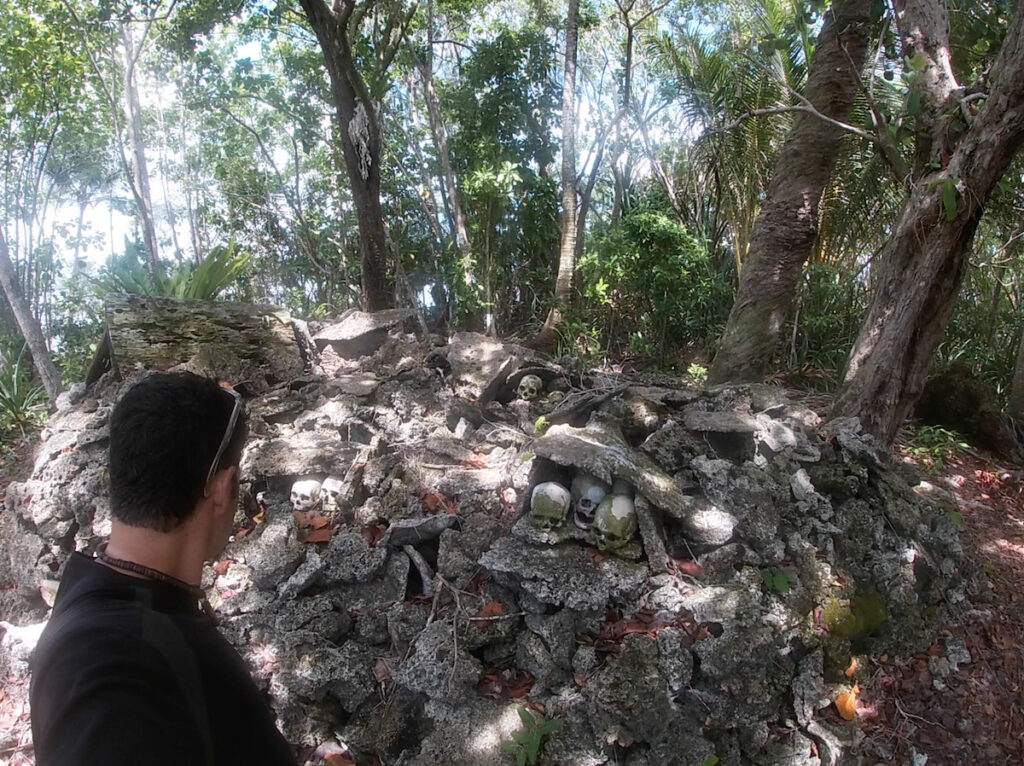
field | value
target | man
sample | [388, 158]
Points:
[131, 668]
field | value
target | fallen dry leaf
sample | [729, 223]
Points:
[321, 535]
[851, 668]
[691, 568]
[335, 759]
[317, 521]
[846, 703]
[373, 533]
[382, 671]
[435, 502]
[490, 609]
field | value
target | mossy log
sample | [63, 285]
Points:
[250, 344]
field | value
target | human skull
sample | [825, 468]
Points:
[530, 387]
[305, 494]
[587, 493]
[548, 505]
[556, 397]
[614, 522]
[330, 491]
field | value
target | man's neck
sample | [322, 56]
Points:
[177, 553]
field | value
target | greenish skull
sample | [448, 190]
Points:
[548, 505]
[614, 523]
[530, 388]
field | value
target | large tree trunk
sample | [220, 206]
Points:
[923, 263]
[28, 325]
[360, 137]
[139, 167]
[547, 336]
[243, 343]
[783, 235]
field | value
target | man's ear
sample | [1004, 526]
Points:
[222, 489]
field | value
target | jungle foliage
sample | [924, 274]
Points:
[682, 110]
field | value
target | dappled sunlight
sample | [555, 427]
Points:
[488, 738]
[1003, 547]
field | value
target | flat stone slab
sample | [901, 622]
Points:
[477, 360]
[300, 454]
[565, 575]
[359, 333]
[719, 422]
[601, 449]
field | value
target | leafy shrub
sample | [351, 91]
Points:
[22, 404]
[651, 286]
[931, 446]
[127, 274]
[829, 310]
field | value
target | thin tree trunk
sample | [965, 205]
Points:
[547, 336]
[457, 216]
[140, 169]
[783, 235]
[28, 325]
[1015, 407]
[172, 218]
[360, 138]
[923, 263]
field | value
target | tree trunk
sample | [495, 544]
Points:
[783, 235]
[238, 342]
[546, 338]
[457, 220]
[1015, 407]
[923, 263]
[28, 325]
[360, 137]
[140, 169]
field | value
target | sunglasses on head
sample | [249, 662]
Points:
[236, 410]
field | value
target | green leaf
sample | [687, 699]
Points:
[550, 727]
[509, 747]
[913, 103]
[916, 63]
[781, 581]
[949, 198]
[525, 717]
[711, 760]
[521, 758]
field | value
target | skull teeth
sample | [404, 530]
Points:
[583, 519]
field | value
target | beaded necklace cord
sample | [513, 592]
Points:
[158, 576]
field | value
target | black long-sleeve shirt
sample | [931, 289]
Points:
[130, 671]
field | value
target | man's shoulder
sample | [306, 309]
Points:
[93, 636]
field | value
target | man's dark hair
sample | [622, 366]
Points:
[164, 434]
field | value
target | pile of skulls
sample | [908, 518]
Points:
[606, 512]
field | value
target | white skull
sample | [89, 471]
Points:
[548, 504]
[587, 493]
[330, 491]
[305, 494]
[615, 522]
[530, 387]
